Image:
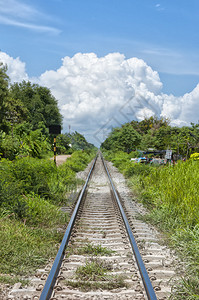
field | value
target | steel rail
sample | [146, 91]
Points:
[143, 272]
[50, 282]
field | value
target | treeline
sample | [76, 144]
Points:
[154, 133]
[26, 112]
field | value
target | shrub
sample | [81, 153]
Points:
[40, 212]
[79, 160]
[195, 156]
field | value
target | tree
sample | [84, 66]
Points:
[125, 138]
[79, 142]
[39, 102]
[15, 113]
[63, 141]
[152, 123]
[4, 80]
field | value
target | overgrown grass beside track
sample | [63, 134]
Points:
[171, 194]
[31, 193]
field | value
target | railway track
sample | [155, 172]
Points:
[98, 257]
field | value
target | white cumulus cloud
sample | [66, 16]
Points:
[95, 93]
[92, 90]
[16, 68]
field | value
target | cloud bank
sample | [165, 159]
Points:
[96, 93]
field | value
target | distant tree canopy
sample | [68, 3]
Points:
[67, 143]
[154, 133]
[40, 105]
[4, 80]
[26, 110]
[125, 138]
[79, 142]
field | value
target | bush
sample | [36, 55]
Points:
[120, 160]
[41, 212]
[136, 169]
[195, 156]
[27, 175]
[40, 177]
[79, 160]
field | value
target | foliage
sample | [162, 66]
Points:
[40, 104]
[154, 133]
[31, 192]
[125, 138]
[79, 160]
[63, 142]
[195, 156]
[79, 142]
[149, 123]
[171, 196]
[29, 176]
[39, 211]
[31, 188]
[4, 79]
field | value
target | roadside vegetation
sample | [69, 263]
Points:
[170, 193]
[154, 133]
[32, 188]
[31, 194]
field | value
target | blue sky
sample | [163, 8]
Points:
[163, 33]
[95, 55]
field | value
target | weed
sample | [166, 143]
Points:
[23, 248]
[12, 280]
[93, 275]
[93, 270]
[111, 283]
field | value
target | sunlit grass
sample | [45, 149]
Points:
[171, 195]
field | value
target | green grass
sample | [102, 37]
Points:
[24, 249]
[11, 280]
[31, 193]
[110, 284]
[93, 270]
[95, 274]
[171, 195]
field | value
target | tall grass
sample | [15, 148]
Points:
[171, 194]
[31, 193]
[175, 189]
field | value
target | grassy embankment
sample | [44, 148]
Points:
[31, 193]
[171, 195]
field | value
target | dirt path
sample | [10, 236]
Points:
[60, 159]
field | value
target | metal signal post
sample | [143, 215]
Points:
[55, 150]
[55, 130]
